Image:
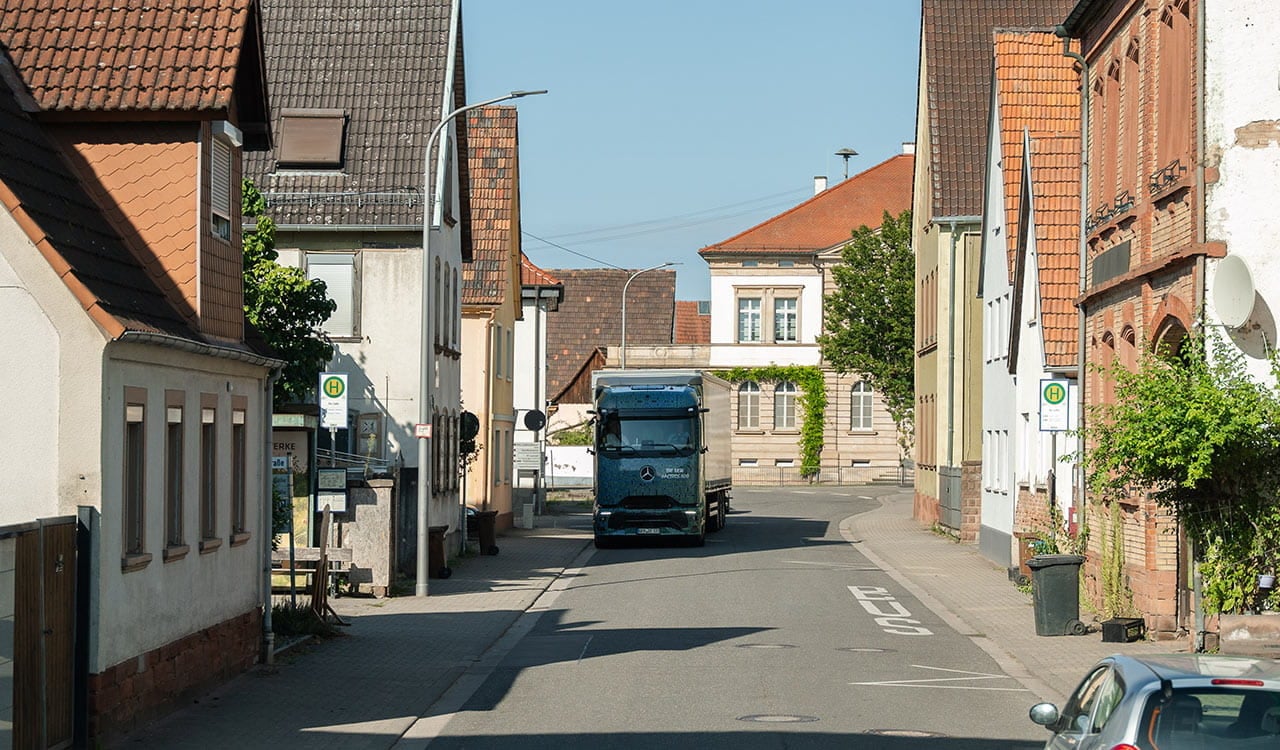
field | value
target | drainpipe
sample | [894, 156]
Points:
[1081, 360]
[268, 636]
[539, 436]
[1197, 592]
[951, 351]
[486, 483]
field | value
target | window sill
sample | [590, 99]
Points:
[750, 431]
[787, 431]
[175, 552]
[209, 545]
[239, 538]
[868, 433]
[134, 561]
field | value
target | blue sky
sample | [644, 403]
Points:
[670, 126]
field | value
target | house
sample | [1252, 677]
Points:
[491, 306]
[951, 120]
[767, 288]
[1030, 277]
[693, 322]
[1147, 238]
[146, 400]
[589, 321]
[345, 185]
[540, 294]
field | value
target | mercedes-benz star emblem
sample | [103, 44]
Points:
[647, 473]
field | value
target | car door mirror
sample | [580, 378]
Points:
[1045, 714]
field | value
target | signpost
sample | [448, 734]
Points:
[333, 408]
[1054, 409]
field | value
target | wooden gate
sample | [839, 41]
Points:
[44, 636]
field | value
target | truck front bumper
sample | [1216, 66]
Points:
[620, 522]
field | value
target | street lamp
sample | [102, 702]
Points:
[845, 153]
[423, 428]
[624, 306]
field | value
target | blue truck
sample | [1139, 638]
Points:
[662, 467]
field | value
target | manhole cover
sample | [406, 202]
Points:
[778, 718]
[904, 733]
[765, 645]
[866, 650]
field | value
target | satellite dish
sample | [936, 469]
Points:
[1233, 291]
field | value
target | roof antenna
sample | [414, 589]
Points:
[845, 153]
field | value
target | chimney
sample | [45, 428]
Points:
[908, 148]
[819, 184]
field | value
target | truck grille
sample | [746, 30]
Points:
[647, 502]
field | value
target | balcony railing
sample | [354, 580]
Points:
[1166, 176]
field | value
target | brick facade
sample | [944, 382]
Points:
[970, 500]
[135, 691]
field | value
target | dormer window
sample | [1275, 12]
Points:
[224, 193]
[311, 138]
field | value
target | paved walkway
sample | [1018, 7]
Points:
[403, 654]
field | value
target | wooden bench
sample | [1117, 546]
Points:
[339, 563]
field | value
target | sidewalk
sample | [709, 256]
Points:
[975, 597]
[400, 655]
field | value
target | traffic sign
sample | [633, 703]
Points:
[333, 400]
[1055, 411]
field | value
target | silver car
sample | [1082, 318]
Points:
[1173, 702]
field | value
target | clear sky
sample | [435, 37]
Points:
[671, 126]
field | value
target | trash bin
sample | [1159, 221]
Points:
[1056, 596]
[436, 559]
[483, 528]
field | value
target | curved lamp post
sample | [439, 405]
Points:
[423, 428]
[624, 306]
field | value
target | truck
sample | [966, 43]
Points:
[661, 444]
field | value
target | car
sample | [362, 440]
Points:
[1169, 702]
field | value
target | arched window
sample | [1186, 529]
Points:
[784, 406]
[1173, 104]
[445, 323]
[1107, 357]
[860, 405]
[1130, 158]
[748, 406]
[1128, 348]
[436, 293]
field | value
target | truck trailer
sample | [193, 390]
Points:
[661, 444]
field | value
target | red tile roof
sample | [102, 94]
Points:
[692, 327]
[495, 223]
[531, 275]
[828, 218]
[127, 55]
[957, 36]
[1055, 187]
[1038, 90]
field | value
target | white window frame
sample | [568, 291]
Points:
[750, 320]
[784, 406]
[341, 274]
[748, 405]
[862, 407]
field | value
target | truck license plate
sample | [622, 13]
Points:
[644, 530]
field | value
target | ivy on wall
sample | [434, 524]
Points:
[812, 402]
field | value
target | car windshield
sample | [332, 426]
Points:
[1226, 718]
[624, 435]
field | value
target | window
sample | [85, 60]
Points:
[135, 433]
[455, 300]
[208, 474]
[437, 294]
[311, 138]
[785, 321]
[511, 352]
[784, 406]
[497, 351]
[494, 466]
[239, 476]
[1173, 107]
[339, 273]
[786, 264]
[860, 406]
[173, 474]
[749, 320]
[445, 321]
[220, 188]
[1129, 157]
[750, 263]
[748, 406]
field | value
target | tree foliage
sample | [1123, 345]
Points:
[812, 404]
[1204, 439]
[284, 305]
[870, 317]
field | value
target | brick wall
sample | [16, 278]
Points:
[970, 500]
[127, 695]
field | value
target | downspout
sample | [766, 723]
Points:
[1081, 360]
[268, 504]
[951, 352]
[539, 402]
[1197, 583]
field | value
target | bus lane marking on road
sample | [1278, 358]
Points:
[897, 620]
[935, 682]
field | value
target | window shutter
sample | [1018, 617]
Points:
[338, 274]
[220, 180]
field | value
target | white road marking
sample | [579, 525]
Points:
[934, 682]
[839, 566]
[896, 622]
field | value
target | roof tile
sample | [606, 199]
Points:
[495, 226]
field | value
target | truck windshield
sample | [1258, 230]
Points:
[647, 435]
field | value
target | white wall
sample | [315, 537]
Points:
[995, 538]
[1242, 102]
[569, 466]
[531, 355]
[724, 310]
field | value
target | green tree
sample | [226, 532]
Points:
[870, 317]
[1203, 438]
[284, 305]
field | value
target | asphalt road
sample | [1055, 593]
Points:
[778, 633]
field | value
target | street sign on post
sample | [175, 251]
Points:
[1055, 410]
[333, 400]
